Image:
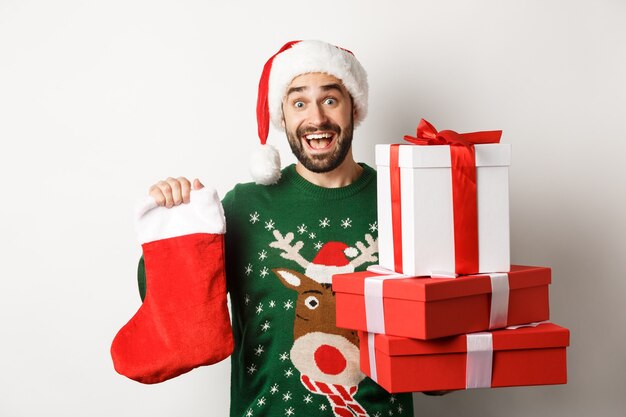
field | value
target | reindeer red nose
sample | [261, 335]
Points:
[329, 360]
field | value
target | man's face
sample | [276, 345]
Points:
[318, 119]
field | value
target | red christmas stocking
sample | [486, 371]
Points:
[183, 322]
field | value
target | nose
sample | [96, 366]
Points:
[329, 360]
[317, 116]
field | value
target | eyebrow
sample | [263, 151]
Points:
[327, 87]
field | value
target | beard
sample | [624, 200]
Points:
[326, 162]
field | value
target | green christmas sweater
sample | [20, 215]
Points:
[283, 244]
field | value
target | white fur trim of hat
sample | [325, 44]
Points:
[316, 56]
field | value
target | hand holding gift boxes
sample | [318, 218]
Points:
[443, 211]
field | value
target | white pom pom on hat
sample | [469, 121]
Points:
[265, 165]
[351, 252]
[293, 59]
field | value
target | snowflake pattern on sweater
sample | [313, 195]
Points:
[284, 243]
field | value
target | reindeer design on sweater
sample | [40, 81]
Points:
[326, 357]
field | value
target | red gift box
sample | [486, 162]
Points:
[524, 356]
[428, 308]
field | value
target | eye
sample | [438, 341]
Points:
[330, 101]
[311, 302]
[298, 104]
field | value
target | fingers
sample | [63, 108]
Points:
[177, 196]
[172, 191]
[197, 184]
[185, 188]
[157, 192]
[437, 393]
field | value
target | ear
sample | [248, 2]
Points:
[295, 280]
[289, 278]
[282, 121]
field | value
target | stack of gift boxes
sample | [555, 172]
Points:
[444, 309]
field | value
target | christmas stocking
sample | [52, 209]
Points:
[183, 322]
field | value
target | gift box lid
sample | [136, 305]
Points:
[433, 289]
[438, 156]
[545, 335]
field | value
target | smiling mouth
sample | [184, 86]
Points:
[319, 141]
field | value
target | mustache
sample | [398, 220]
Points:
[303, 130]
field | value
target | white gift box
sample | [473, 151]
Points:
[427, 209]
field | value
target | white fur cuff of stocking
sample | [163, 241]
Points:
[203, 214]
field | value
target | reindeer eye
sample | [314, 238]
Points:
[311, 302]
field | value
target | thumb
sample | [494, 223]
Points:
[197, 184]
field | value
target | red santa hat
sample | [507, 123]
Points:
[330, 260]
[293, 59]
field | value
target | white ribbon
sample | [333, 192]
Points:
[535, 324]
[373, 294]
[479, 360]
[443, 274]
[371, 350]
[499, 312]
[377, 269]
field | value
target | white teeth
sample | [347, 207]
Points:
[318, 136]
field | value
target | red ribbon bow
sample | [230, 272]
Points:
[465, 204]
[428, 135]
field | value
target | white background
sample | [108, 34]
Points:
[100, 99]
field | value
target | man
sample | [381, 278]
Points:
[286, 239]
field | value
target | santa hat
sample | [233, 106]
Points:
[293, 59]
[330, 260]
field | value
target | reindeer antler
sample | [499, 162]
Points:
[367, 252]
[289, 252]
